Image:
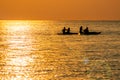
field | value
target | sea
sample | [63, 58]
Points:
[33, 50]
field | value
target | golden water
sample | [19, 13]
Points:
[32, 50]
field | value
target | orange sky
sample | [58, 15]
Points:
[60, 9]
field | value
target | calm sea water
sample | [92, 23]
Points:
[32, 50]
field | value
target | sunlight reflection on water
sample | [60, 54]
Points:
[32, 50]
[19, 46]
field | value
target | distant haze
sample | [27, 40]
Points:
[60, 9]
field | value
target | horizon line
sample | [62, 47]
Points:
[55, 20]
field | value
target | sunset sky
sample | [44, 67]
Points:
[60, 9]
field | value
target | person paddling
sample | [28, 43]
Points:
[86, 30]
[68, 30]
[63, 30]
[81, 28]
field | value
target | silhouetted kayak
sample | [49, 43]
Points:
[67, 33]
[90, 33]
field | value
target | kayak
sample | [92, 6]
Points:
[67, 33]
[90, 33]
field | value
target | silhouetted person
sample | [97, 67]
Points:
[68, 30]
[63, 30]
[80, 31]
[86, 30]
